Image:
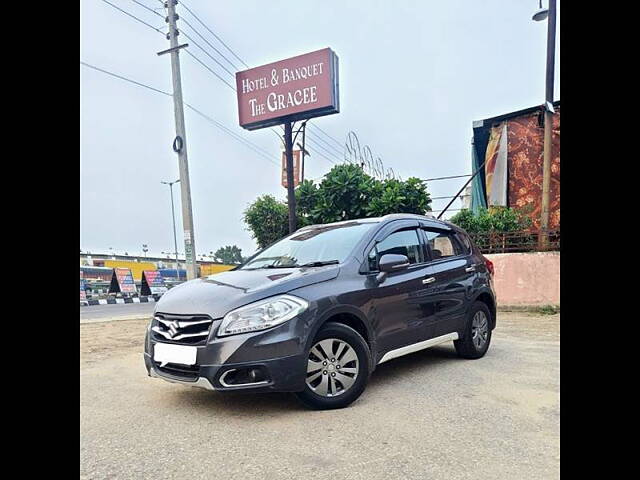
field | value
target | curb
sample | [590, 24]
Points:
[113, 301]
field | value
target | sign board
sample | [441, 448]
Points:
[294, 89]
[122, 281]
[152, 283]
[83, 287]
[296, 169]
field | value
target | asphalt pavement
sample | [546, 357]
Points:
[118, 311]
[428, 415]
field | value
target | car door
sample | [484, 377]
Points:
[399, 317]
[451, 273]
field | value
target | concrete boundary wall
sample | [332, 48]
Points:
[531, 279]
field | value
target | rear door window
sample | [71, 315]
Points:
[443, 244]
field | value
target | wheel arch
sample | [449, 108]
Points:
[487, 298]
[351, 317]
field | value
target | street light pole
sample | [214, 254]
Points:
[548, 123]
[173, 217]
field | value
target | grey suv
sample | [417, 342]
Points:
[317, 311]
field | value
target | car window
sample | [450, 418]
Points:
[404, 242]
[322, 243]
[465, 242]
[442, 244]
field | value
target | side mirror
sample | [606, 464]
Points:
[391, 263]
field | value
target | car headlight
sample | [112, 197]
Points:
[261, 315]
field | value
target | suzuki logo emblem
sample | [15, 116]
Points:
[173, 328]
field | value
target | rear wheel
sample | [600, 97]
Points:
[337, 368]
[477, 336]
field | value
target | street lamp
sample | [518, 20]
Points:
[145, 249]
[541, 14]
[173, 216]
[550, 15]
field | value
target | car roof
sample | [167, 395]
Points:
[388, 218]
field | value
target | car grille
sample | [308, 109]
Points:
[177, 370]
[182, 329]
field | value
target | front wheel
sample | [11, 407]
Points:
[338, 368]
[477, 335]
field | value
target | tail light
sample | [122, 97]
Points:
[489, 265]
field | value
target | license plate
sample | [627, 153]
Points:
[164, 353]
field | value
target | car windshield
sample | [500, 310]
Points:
[317, 246]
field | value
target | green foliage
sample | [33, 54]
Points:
[495, 219]
[347, 192]
[267, 219]
[230, 254]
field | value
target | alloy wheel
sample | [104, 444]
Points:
[332, 367]
[479, 329]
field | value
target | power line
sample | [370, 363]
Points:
[213, 72]
[148, 8]
[445, 178]
[334, 151]
[246, 142]
[212, 33]
[318, 145]
[207, 42]
[329, 136]
[133, 16]
[207, 53]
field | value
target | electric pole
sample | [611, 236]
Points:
[180, 142]
[548, 126]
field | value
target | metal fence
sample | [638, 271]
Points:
[511, 242]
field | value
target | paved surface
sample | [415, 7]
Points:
[428, 415]
[121, 311]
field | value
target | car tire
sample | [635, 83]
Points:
[477, 334]
[336, 395]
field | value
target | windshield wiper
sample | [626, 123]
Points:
[320, 263]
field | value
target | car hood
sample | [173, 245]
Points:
[220, 293]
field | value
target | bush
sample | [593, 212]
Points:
[495, 219]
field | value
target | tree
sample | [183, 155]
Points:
[230, 254]
[267, 219]
[347, 192]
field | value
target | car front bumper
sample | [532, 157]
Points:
[278, 353]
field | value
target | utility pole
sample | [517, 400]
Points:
[303, 151]
[180, 142]
[548, 126]
[291, 195]
[173, 217]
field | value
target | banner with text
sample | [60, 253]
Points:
[296, 169]
[122, 281]
[297, 88]
[152, 283]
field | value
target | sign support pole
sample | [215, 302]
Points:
[291, 195]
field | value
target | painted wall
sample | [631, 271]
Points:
[210, 269]
[527, 278]
[136, 267]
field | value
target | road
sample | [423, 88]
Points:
[119, 311]
[428, 415]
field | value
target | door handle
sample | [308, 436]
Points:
[429, 280]
[472, 268]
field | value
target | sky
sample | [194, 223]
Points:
[414, 75]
